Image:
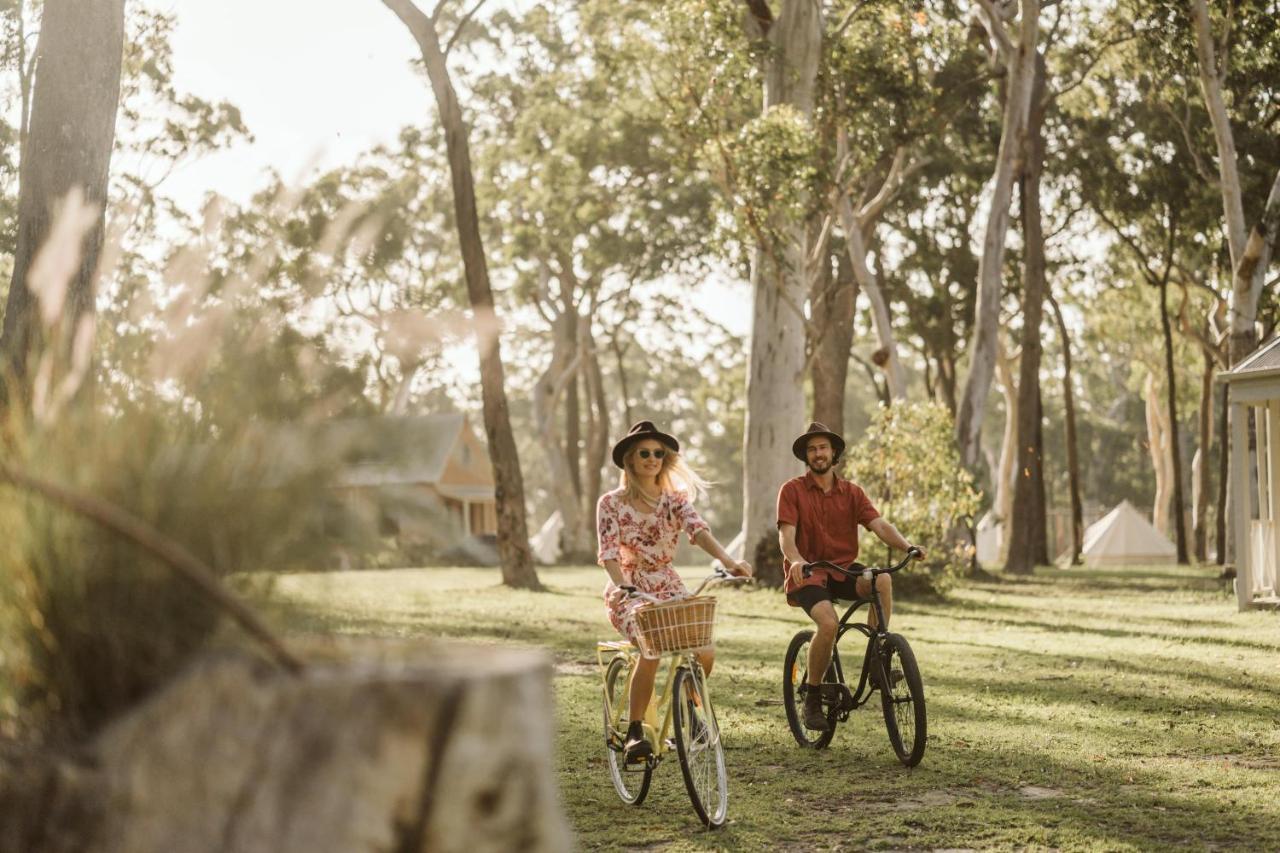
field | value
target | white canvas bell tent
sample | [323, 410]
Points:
[545, 544]
[1124, 537]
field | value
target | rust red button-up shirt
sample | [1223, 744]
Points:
[826, 523]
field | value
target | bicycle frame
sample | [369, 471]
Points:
[658, 733]
[856, 697]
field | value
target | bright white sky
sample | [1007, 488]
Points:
[318, 82]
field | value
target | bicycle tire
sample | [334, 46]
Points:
[903, 701]
[795, 672]
[699, 748]
[630, 792]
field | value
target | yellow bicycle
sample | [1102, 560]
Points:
[678, 628]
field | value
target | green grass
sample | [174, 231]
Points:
[1132, 709]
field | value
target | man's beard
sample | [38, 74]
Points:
[821, 467]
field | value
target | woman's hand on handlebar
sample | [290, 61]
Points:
[620, 593]
[738, 568]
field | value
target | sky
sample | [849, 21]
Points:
[318, 82]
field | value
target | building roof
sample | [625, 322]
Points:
[398, 449]
[1264, 362]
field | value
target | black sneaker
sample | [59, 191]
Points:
[636, 748]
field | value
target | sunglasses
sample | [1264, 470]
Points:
[657, 454]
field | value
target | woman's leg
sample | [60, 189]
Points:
[642, 678]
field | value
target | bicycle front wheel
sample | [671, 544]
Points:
[795, 683]
[903, 700]
[631, 781]
[698, 745]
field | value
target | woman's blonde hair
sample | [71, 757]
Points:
[675, 475]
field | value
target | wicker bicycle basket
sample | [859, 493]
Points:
[675, 626]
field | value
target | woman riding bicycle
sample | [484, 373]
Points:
[638, 525]
[818, 518]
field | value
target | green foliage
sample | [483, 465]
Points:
[92, 623]
[908, 464]
[771, 177]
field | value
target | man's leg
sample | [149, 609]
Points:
[825, 621]
[884, 585]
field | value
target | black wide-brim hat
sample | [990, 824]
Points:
[816, 429]
[639, 430]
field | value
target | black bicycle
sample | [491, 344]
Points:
[888, 668]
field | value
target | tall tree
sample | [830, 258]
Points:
[513, 535]
[1251, 248]
[775, 388]
[67, 152]
[1017, 59]
[1028, 536]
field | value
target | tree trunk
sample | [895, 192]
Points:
[67, 152]
[832, 313]
[618, 354]
[1028, 536]
[1250, 251]
[1200, 463]
[1073, 452]
[946, 382]
[548, 391]
[573, 415]
[1175, 450]
[597, 449]
[380, 748]
[856, 247]
[1158, 445]
[986, 324]
[1008, 448]
[513, 531]
[775, 387]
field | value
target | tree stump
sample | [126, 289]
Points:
[422, 747]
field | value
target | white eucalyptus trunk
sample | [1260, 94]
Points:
[1161, 458]
[775, 380]
[1250, 248]
[547, 393]
[1020, 67]
[895, 373]
[1008, 446]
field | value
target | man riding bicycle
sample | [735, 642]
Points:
[818, 518]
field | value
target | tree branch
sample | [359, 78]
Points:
[466, 19]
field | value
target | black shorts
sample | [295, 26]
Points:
[844, 589]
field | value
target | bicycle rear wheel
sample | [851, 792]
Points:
[903, 700]
[795, 683]
[698, 745]
[631, 781]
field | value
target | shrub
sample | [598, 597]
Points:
[907, 461]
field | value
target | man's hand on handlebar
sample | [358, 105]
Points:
[916, 551]
[797, 573]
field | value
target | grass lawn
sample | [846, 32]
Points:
[1130, 709]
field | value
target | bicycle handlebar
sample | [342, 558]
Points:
[912, 553]
[717, 576]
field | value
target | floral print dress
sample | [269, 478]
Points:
[644, 544]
